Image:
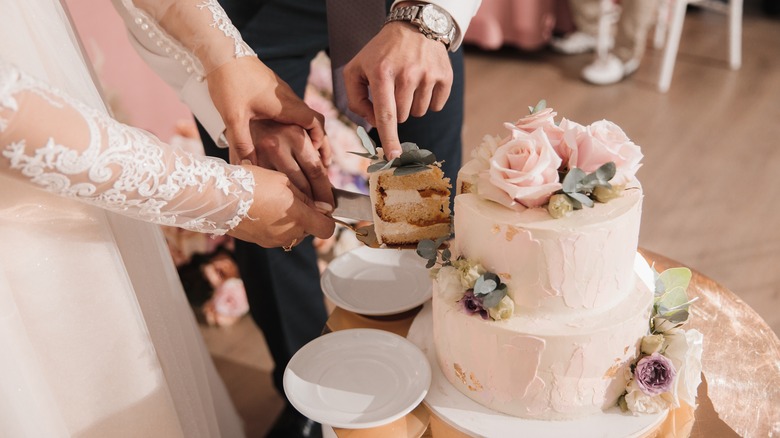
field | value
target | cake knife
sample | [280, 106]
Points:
[351, 205]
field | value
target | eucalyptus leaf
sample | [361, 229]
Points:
[493, 298]
[430, 263]
[674, 298]
[539, 106]
[575, 204]
[581, 198]
[364, 154]
[366, 140]
[376, 167]
[677, 317]
[446, 255]
[440, 241]
[606, 172]
[571, 180]
[408, 170]
[409, 147]
[484, 285]
[675, 277]
[427, 249]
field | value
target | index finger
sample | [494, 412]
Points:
[312, 221]
[386, 118]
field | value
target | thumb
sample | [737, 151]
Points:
[239, 139]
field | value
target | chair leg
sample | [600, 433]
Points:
[672, 44]
[735, 34]
[661, 25]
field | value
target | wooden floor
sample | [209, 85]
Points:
[711, 172]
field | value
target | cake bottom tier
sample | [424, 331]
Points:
[541, 368]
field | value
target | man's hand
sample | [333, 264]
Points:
[288, 149]
[245, 90]
[406, 73]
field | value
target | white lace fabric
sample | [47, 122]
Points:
[197, 33]
[85, 154]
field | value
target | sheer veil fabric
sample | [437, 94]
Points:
[96, 336]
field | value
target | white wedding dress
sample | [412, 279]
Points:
[96, 336]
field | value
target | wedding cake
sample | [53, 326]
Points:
[537, 309]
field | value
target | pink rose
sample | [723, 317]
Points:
[600, 143]
[572, 133]
[523, 172]
[541, 119]
[228, 304]
[544, 119]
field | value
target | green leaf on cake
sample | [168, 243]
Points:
[493, 298]
[580, 187]
[409, 169]
[671, 305]
[539, 107]
[366, 140]
[427, 249]
[486, 283]
[412, 158]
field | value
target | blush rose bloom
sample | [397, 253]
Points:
[600, 143]
[544, 119]
[523, 172]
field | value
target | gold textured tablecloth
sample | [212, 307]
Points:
[739, 394]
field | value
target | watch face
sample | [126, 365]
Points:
[436, 20]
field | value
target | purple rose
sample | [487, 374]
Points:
[472, 304]
[654, 374]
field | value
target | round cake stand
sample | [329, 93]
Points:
[470, 417]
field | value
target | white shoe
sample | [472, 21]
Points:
[609, 71]
[574, 43]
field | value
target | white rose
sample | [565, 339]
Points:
[469, 272]
[504, 310]
[449, 285]
[484, 152]
[684, 350]
[640, 403]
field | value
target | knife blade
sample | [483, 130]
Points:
[351, 205]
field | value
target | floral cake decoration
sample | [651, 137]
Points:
[562, 166]
[478, 291]
[667, 370]
[412, 158]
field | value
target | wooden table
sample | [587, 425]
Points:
[741, 366]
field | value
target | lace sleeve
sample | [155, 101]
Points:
[58, 143]
[183, 28]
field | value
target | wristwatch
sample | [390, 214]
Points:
[433, 21]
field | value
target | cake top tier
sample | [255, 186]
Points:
[562, 166]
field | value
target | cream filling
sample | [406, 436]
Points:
[396, 197]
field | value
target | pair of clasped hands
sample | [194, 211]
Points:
[276, 136]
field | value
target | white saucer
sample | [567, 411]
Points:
[357, 378]
[372, 281]
[474, 419]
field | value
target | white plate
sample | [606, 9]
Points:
[474, 419]
[357, 378]
[377, 281]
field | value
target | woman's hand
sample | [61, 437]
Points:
[281, 215]
[255, 104]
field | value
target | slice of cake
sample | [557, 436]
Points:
[410, 207]
[410, 195]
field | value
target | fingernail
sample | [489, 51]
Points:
[323, 207]
[246, 162]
